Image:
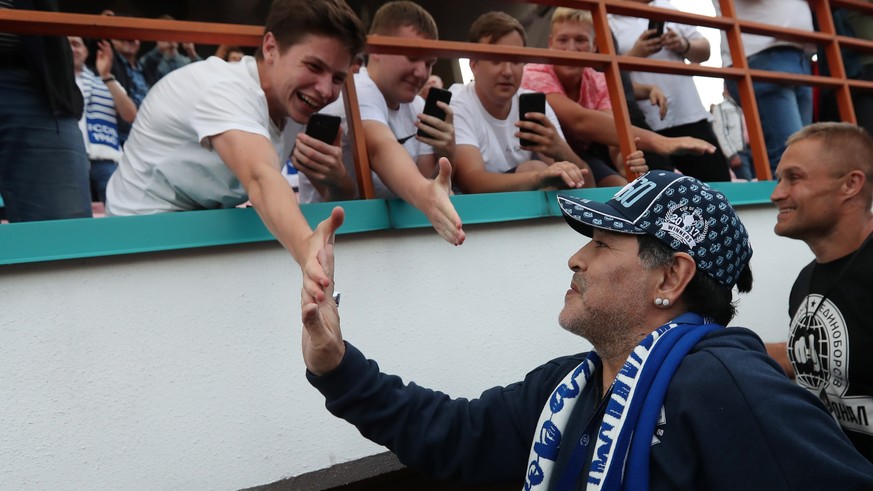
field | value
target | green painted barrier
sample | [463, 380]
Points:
[94, 237]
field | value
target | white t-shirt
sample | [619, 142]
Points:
[373, 108]
[169, 163]
[682, 98]
[500, 148]
[793, 14]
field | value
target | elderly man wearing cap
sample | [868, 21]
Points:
[668, 399]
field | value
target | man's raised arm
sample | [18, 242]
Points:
[400, 173]
[253, 160]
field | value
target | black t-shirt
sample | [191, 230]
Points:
[831, 340]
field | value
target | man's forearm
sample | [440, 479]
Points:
[274, 201]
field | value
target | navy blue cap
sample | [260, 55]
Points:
[682, 212]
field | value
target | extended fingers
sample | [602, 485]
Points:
[450, 114]
[447, 223]
[326, 230]
[312, 287]
[571, 175]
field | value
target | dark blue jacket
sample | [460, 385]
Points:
[733, 421]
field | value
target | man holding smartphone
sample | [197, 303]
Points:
[402, 160]
[687, 116]
[502, 143]
[215, 134]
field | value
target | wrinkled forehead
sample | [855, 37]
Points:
[805, 156]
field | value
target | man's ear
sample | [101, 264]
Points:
[853, 184]
[676, 276]
[269, 47]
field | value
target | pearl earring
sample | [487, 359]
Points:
[662, 302]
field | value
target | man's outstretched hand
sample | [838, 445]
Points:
[438, 208]
[323, 347]
[315, 278]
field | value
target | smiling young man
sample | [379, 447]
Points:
[489, 156]
[215, 134]
[391, 113]
[824, 196]
[669, 398]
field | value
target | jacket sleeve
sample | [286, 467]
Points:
[739, 423]
[484, 440]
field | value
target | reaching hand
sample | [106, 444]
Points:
[438, 208]
[686, 145]
[562, 175]
[323, 347]
[442, 133]
[316, 279]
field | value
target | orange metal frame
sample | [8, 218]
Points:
[95, 26]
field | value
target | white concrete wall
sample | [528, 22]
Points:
[183, 370]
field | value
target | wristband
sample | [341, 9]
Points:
[687, 45]
[108, 79]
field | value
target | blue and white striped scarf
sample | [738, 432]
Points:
[625, 434]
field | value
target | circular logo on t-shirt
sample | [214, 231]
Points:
[818, 346]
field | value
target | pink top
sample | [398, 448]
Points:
[593, 92]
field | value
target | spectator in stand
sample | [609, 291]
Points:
[128, 71]
[229, 53]
[215, 134]
[43, 165]
[730, 129]
[104, 99]
[165, 57]
[687, 116]
[489, 156]
[783, 109]
[432, 81]
[578, 97]
[387, 91]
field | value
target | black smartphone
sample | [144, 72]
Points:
[530, 102]
[430, 105]
[323, 127]
[658, 26]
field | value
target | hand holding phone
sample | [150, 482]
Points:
[530, 102]
[658, 26]
[430, 105]
[323, 127]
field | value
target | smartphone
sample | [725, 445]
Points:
[323, 127]
[658, 26]
[531, 102]
[430, 105]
